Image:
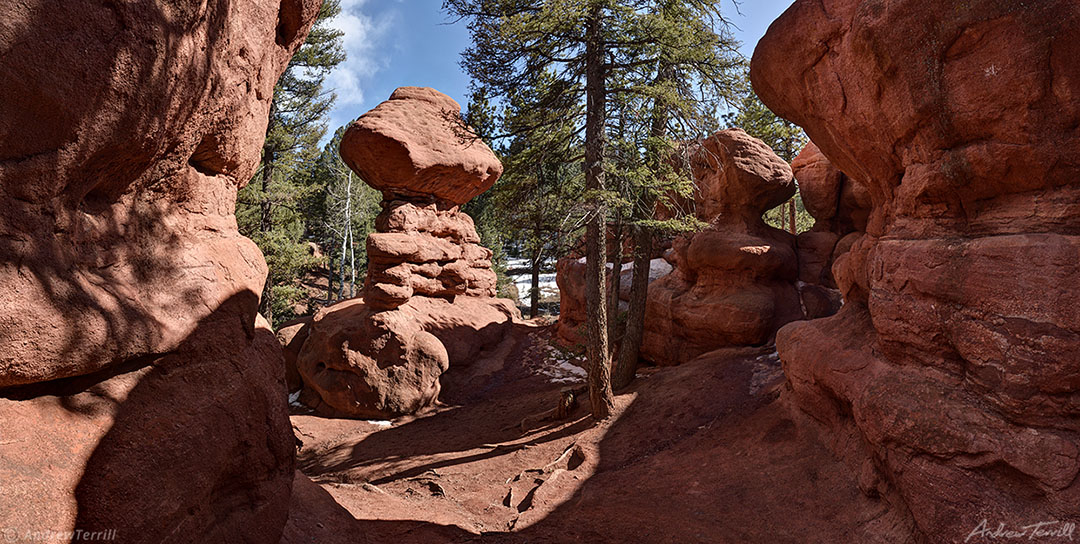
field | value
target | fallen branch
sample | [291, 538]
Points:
[567, 402]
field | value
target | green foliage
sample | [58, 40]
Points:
[779, 216]
[270, 209]
[482, 117]
[671, 64]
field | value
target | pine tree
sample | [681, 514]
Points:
[539, 194]
[600, 54]
[268, 207]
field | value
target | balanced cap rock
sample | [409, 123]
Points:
[415, 145]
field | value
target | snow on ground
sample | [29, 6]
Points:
[556, 364]
[518, 271]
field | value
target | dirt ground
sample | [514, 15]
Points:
[703, 452]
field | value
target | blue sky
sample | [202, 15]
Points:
[393, 43]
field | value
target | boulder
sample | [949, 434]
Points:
[951, 361]
[739, 177]
[837, 202]
[416, 145]
[839, 205]
[140, 391]
[292, 335]
[369, 363]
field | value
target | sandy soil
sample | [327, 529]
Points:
[704, 452]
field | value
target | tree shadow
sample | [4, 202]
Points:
[129, 341]
[96, 174]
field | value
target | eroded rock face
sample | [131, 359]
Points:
[429, 295]
[371, 363]
[420, 249]
[839, 207]
[292, 335]
[953, 361]
[733, 282]
[139, 393]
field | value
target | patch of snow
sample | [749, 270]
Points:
[379, 422]
[294, 399]
[522, 278]
[767, 369]
[557, 367]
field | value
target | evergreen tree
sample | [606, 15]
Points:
[600, 54]
[268, 207]
[539, 194]
[481, 115]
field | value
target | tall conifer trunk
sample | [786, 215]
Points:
[629, 350]
[600, 395]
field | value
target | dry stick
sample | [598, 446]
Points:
[567, 402]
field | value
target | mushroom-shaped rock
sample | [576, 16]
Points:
[739, 175]
[415, 145]
[733, 284]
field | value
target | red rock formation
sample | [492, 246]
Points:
[951, 368]
[415, 145]
[570, 278]
[125, 132]
[292, 335]
[839, 207]
[732, 284]
[423, 249]
[429, 295]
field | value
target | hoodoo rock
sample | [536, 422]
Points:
[140, 392]
[733, 283]
[429, 297]
[952, 366]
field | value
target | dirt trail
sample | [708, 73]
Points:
[703, 452]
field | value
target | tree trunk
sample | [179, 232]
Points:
[268, 309]
[330, 271]
[534, 293]
[265, 209]
[791, 215]
[630, 349]
[345, 234]
[352, 263]
[600, 395]
[615, 258]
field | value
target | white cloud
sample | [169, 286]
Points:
[363, 34]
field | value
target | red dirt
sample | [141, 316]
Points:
[703, 452]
